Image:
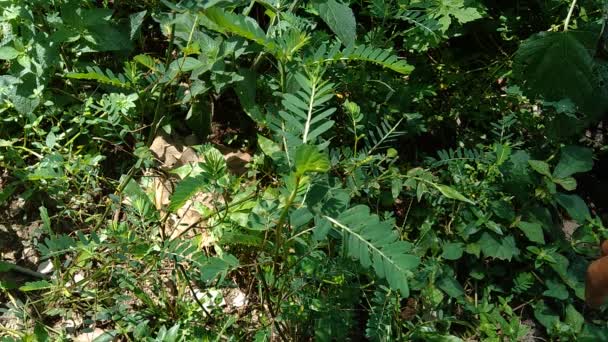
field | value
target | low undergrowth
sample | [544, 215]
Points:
[300, 170]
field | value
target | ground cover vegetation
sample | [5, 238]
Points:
[284, 170]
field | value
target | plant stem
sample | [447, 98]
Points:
[567, 21]
[282, 218]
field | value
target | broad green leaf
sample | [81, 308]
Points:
[556, 289]
[556, 65]
[269, 147]
[574, 318]
[450, 192]
[8, 53]
[35, 286]
[135, 21]
[533, 231]
[340, 19]
[574, 159]
[450, 286]
[246, 92]
[185, 190]
[452, 250]
[309, 159]
[245, 27]
[567, 183]
[503, 248]
[540, 167]
[5, 266]
[575, 206]
[546, 316]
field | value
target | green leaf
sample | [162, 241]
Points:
[450, 286]
[546, 316]
[185, 190]
[505, 249]
[375, 244]
[567, 183]
[46, 220]
[146, 61]
[452, 250]
[8, 53]
[451, 193]
[540, 167]
[107, 77]
[309, 159]
[240, 25]
[556, 65]
[340, 19]
[556, 289]
[574, 159]
[574, 318]
[503, 152]
[533, 231]
[5, 266]
[385, 58]
[575, 206]
[35, 286]
[135, 21]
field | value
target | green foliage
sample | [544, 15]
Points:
[374, 244]
[328, 170]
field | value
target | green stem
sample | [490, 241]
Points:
[283, 217]
[567, 21]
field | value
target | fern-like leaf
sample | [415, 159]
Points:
[107, 77]
[383, 134]
[381, 318]
[363, 53]
[148, 62]
[245, 27]
[185, 252]
[427, 25]
[447, 156]
[375, 244]
[305, 110]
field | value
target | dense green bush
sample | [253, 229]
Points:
[412, 165]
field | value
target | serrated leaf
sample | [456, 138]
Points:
[574, 159]
[555, 65]
[340, 19]
[533, 231]
[309, 159]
